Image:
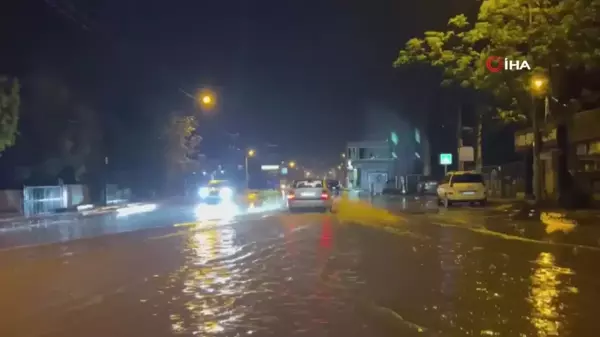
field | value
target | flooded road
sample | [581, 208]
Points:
[175, 272]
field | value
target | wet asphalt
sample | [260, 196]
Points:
[180, 270]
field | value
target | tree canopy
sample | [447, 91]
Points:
[182, 142]
[9, 111]
[555, 37]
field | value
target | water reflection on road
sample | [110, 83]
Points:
[218, 274]
[548, 283]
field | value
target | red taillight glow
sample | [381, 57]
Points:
[291, 195]
[324, 195]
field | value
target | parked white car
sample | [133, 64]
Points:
[462, 186]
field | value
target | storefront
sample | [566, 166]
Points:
[582, 157]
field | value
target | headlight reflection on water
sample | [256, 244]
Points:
[135, 209]
[223, 211]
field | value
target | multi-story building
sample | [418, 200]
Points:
[389, 152]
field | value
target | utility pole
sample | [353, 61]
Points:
[247, 175]
[105, 194]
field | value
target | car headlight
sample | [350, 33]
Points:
[203, 192]
[226, 193]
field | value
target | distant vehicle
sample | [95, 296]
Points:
[334, 186]
[216, 192]
[462, 186]
[309, 194]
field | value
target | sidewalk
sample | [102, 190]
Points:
[507, 218]
[526, 209]
[13, 220]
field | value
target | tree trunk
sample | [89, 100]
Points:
[479, 141]
[459, 139]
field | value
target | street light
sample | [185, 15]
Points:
[292, 164]
[249, 153]
[538, 84]
[207, 99]
[539, 87]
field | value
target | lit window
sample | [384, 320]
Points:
[594, 148]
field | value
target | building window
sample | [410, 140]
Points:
[362, 153]
[582, 149]
[394, 138]
[594, 147]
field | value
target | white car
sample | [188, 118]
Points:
[462, 186]
[309, 194]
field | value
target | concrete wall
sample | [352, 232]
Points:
[11, 201]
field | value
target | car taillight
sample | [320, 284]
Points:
[324, 195]
[291, 195]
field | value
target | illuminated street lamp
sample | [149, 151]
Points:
[539, 88]
[207, 99]
[292, 164]
[343, 155]
[539, 84]
[249, 154]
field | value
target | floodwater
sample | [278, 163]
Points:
[173, 272]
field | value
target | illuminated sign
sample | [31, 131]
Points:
[445, 159]
[269, 167]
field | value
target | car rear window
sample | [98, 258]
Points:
[308, 184]
[467, 178]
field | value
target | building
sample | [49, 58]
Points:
[388, 155]
[369, 163]
[379, 164]
[581, 147]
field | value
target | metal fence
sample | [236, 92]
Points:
[505, 181]
[38, 200]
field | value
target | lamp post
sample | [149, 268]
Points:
[249, 153]
[538, 85]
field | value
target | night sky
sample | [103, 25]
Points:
[295, 73]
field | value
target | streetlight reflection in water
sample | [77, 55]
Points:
[211, 283]
[546, 288]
